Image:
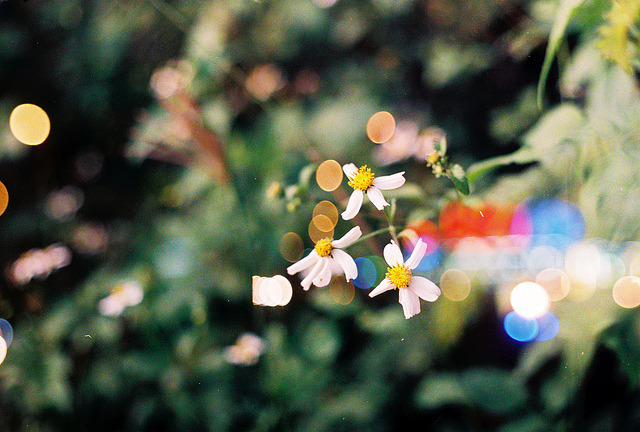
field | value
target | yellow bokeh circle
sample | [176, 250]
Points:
[29, 124]
[4, 198]
[328, 209]
[329, 175]
[341, 291]
[381, 127]
[316, 233]
[291, 246]
[455, 284]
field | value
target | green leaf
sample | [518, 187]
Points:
[530, 423]
[557, 125]
[623, 339]
[437, 391]
[520, 156]
[565, 11]
[494, 390]
[462, 184]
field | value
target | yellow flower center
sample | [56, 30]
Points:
[363, 179]
[433, 158]
[399, 275]
[323, 247]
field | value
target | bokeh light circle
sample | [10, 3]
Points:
[381, 127]
[316, 234]
[6, 331]
[626, 292]
[3, 350]
[548, 327]
[328, 209]
[555, 282]
[323, 223]
[4, 198]
[286, 290]
[529, 300]
[329, 175]
[29, 124]
[270, 292]
[342, 292]
[367, 273]
[455, 284]
[520, 328]
[555, 222]
[291, 246]
[256, 281]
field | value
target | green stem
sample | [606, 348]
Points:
[373, 234]
[392, 228]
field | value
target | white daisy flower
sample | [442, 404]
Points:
[363, 180]
[410, 288]
[325, 257]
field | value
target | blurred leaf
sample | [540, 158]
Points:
[564, 13]
[507, 123]
[622, 338]
[440, 390]
[521, 156]
[462, 184]
[558, 124]
[446, 62]
[494, 390]
[529, 423]
[321, 341]
[451, 318]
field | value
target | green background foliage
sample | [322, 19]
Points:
[533, 103]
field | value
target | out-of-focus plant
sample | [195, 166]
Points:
[192, 324]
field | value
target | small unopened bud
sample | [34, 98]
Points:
[457, 171]
[274, 190]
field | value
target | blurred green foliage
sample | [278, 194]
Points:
[205, 122]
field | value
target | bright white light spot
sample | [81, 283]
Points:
[286, 290]
[586, 264]
[30, 124]
[110, 306]
[529, 300]
[3, 350]
[256, 281]
[270, 292]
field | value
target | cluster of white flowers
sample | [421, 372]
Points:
[328, 257]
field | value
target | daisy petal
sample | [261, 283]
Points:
[324, 275]
[376, 197]
[409, 301]
[354, 204]
[350, 170]
[353, 235]
[385, 285]
[389, 182]
[306, 282]
[416, 256]
[392, 254]
[304, 263]
[424, 288]
[346, 262]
